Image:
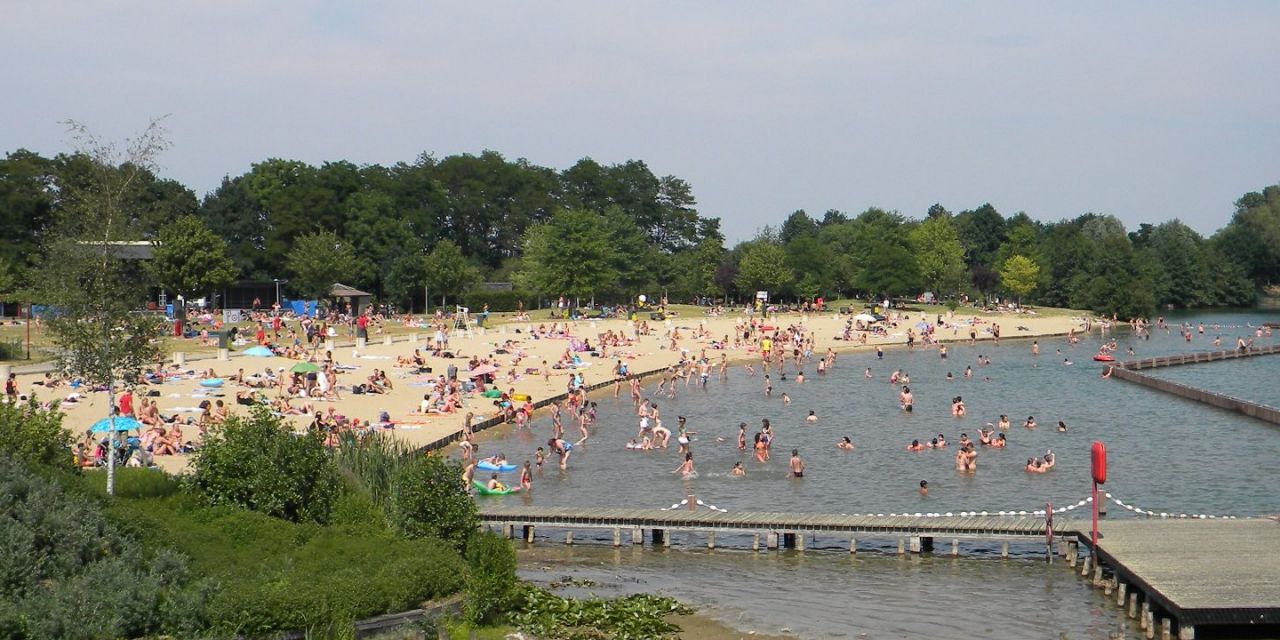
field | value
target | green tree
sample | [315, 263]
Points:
[188, 259]
[763, 268]
[890, 270]
[1019, 275]
[87, 275]
[939, 256]
[571, 254]
[317, 261]
[447, 271]
[34, 436]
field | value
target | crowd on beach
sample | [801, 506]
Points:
[777, 350]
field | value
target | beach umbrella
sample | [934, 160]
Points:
[305, 367]
[864, 317]
[122, 423]
[258, 352]
[482, 370]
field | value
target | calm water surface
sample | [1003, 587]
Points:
[1166, 454]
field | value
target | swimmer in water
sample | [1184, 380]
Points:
[1004, 422]
[495, 485]
[950, 377]
[742, 436]
[812, 417]
[539, 457]
[942, 441]
[845, 444]
[999, 442]
[1067, 362]
[786, 399]
[796, 465]
[924, 488]
[905, 399]
[526, 477]
[957, 407]
[915, 446]
[686, 469]
[968, 371]
[737, 470]
[1062, 427]
[867, 374]
[799, 377]
[1030, 423]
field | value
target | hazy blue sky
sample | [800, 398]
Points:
[1148, 111]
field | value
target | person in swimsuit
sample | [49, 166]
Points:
[1004, 422]
[686, 469]
[915, 446]
[495, 485]
[1030, 423]
[957, 407]
[924, 489]
[999, 442]
[761, 449]
[812, 417]
[1062, 427]
[737, 470]
[906, 399]
[845, 444]
[796, 465]
[526, 477]
[742, 436]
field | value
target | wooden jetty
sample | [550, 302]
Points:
[1174, 574]
[1198, 572]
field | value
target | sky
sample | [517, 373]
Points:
[1145, 110]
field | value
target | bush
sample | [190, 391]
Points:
[32, 435]
[498, 300]
[491, 577]
[256, 464]
[275, 575]
[354, 512]
[429, 501]
[61, 558]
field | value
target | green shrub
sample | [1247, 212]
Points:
[35, 436]
[491, 577]
[134, 482]
[275, 575]
[547, 615]
[428, 500]
[255, 463]
[498, 300]
[61, 558]
[355, 513]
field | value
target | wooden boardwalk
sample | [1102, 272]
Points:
[1200, 572]
[1172, 573]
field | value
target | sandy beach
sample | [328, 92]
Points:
[648, 353]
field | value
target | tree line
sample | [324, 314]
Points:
[612, 231]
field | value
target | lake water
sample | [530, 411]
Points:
[1165, 454]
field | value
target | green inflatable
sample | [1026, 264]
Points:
[484, 490]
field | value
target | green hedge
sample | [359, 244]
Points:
[34, 436]
[498, 300]
[491, 579]
[275, 575]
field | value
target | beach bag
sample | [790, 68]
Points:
[358, 389]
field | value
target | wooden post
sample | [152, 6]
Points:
[1144, 617]
[853, 545]
[637, 536]
[1186, 632]
[711, 539]
[1121, 588]
[1084, 564]
[1097, 575]
[755, 542]
[508, 530]
[528, 533]
[666, 538]
[902, 546]
[1106, 588]
[1166, 629]
[915, 544]
[1073, 554]
[1133, 604]
[799, 538]
[1004, 549]
[568, 537]
[617, 537]
[771, 541]
[955, 548]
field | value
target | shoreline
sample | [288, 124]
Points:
[433, 432]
